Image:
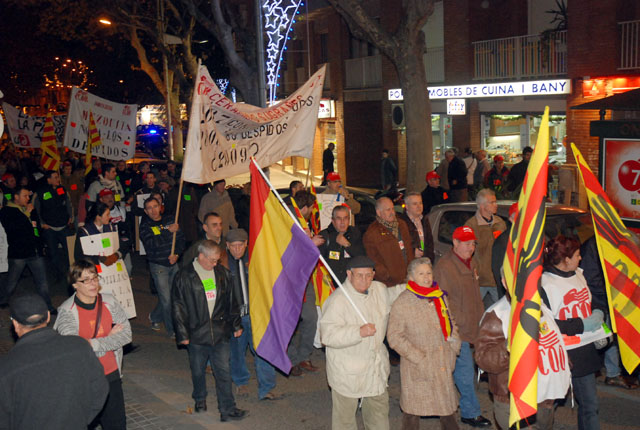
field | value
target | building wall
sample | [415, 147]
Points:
[363, 136]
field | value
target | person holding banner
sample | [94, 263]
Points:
[334, 186]
[98, 222]
[565, 291]
[100, 320]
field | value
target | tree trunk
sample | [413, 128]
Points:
[176, 122]
[417, 111]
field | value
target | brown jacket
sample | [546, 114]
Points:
[491, 356]
[461, 285]
[415, 236]
[384, 249]
[485, 234]
[427, 360]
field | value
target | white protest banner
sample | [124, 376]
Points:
[573, 342]
[103, 245]
[116, 123]
[115, 280]
[26, 131]
[223, 136]
[326, 203]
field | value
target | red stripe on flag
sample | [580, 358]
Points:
[259, 190]
[627, 332]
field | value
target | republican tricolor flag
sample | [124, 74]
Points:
[619, 252]
[522, 272]
[50, 155]
[281, 257]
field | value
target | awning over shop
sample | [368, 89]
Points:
[629, 100]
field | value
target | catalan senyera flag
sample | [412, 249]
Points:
[50, 155]
[619, 252]
[523, 269]
[321, 279]
[92, 142]
[281, 257]
[315, 212]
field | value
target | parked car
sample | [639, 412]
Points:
[445, 218]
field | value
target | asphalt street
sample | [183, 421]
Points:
[157, 384]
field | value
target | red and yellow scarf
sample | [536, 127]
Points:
[437, 296]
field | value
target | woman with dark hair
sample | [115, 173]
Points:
[100, 319]
[565, 292]
[97, 222]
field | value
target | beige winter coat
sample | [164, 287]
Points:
[485, 234]
[427, 361]
[356, 366]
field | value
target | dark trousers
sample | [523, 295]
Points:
[219, 356]
[38, 271]
[113, 415]
[59, 258]
[412, 422]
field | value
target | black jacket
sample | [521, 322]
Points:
[335, 253]
[49, 381]
[433, 196]
[53, 205]
[457, 174]
[415, 236]
[23, 234]
[190, 312]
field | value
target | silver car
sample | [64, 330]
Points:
[445, 218]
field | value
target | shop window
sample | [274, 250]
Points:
[442, 136]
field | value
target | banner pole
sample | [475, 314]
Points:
[184, 163]
[273, 190]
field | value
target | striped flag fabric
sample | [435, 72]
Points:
[92, 142]
[50, 155]
[315, 212]
[282, 257]
[619, 252]
[523, 269]
[321, 279]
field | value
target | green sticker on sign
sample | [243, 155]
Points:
[209, 284]
[606, 328]
[106, 242]
[320, 206]
[46, 195]
[187, 197]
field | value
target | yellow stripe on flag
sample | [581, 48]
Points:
[92, 142]
[50, 155]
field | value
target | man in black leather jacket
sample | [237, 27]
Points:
[206, 313]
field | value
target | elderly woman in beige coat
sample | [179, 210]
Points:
[425, 336]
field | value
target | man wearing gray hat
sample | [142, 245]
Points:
[238, 258]
[357, 359]
[75, 388]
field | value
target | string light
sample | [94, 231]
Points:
[278, 19]
[222, 84]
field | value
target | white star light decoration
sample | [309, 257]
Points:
[278, 20]
[222, 84]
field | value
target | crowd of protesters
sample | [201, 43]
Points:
[437, 319]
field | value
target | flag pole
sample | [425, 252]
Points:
[184, 163]
[253, 160]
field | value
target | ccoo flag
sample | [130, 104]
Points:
[50, 155]
[619, 252]
[281, 257]
[522, 272]
[93, 142]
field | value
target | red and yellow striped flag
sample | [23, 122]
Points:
[315, 212]
[522, 270]
[92, 142]
[620, 258]
[50, 155]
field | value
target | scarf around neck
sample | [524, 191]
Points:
[436, 295]
[26, 212]
[391, 226]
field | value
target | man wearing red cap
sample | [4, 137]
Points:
[457, 275]
[334, 186]
[433, 194]
[496, 178]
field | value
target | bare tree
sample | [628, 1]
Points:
[405, 49]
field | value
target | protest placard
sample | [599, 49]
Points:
[102, 245]
[115, 280]
[26, 131]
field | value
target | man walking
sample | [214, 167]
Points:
[48, 381]
[206, 314]
[327, 162]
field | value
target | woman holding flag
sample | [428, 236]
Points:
[423, 333]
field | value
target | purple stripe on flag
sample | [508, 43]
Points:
[298, 261]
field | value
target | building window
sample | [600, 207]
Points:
[324, 48]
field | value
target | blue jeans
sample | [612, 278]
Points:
[584, 388]
[612, 361]
[265, 372]
[59, 257]
[163, 280]
[463, 376]
[219, 356]
[38, 270]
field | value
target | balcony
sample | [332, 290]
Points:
[521, 57]
[629, 45]
[363, 72]
[434, 64]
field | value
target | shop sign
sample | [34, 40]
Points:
[456, 107]
[622, 176]
[327, 108]
[605, 87]
[495, 89]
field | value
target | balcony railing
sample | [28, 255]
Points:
[363, 72]
[629, 45]
[434, 64]
[521, 57]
